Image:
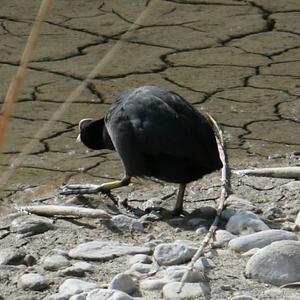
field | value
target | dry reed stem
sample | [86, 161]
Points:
[225, 192]
[75, 93]
[17, 81]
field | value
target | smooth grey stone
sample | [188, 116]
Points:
[123, 282]
[29, 260]
[204, 264]
[55, 262]
[105, 250]
[250, 252]
[242, 297]
[189, 291]
[29, 225]
[104, 294]
[260, 239]
[173, 254]
[245, 222]
[140, 258]
[236, 204]
[175, 273]
[141, 268]
[201, 230]
[126, 223]
[278, 263]
[81, 296]
[274, 212]
[153, 284]
[222, 237]
[12, 256]
[297, 222]
[33, 281]
[74, 286]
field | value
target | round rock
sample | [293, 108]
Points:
[33, 281]
[260, 239]
[105, 294]
[55, 262]
[173, 254]
[245, 222]
[122, 282]
[73, 286]
[123, 222]
[278, 263]
[189, 291]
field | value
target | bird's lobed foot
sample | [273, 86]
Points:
[75, 189]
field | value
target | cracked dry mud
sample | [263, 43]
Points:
[238, 60]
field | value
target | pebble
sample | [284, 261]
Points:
[107, 294]
[173, 254]
[250, 252]
[123, 222]
[242, 297]
[123, 282]
[74, 286]
[260, 239]
[175, 273]
[235, 204]
[55, 262]
[33, 281]
[274, 212]
[28, 225]
[141, 268]
[77, 270]
[189, 291]
[222, 237]
[140, 258]
[201, 230]
[297, 222]
[245, 222]
[278, 263]
[153, 284]
[12, 256]
[204, 264]
[105, 250]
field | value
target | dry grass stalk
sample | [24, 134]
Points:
[225, 192]
[17, 81]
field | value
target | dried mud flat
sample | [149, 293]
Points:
[238, 60]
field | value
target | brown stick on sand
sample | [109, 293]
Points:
[225, 192]
[16, 83]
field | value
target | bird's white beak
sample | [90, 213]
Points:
[78, 140]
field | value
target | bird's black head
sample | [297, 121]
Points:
[93, 134]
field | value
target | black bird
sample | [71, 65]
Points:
[156, 133]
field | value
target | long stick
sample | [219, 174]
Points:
[56, 210]
[17, 82]
[225, 191]
[280, 172]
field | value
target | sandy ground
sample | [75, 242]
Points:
[238, 60]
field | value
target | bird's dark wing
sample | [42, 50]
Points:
[165, 124]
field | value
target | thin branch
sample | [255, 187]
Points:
[56, 210]
[16, 83]
[225, 191]
[280, 172]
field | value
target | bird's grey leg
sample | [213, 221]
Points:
[178, 209]
[94, 188]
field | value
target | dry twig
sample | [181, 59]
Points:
[225, 191]
[56, 210]
[280, 172]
